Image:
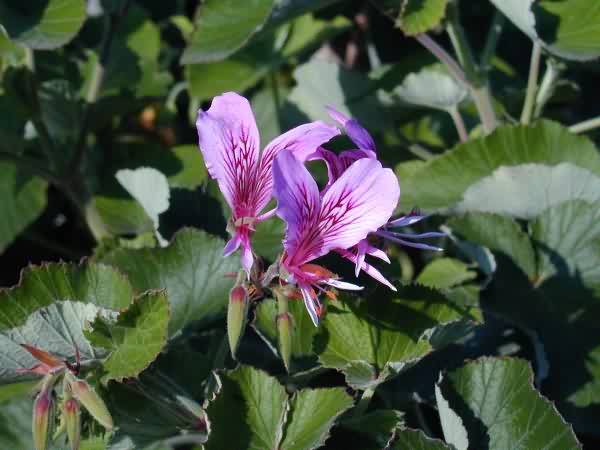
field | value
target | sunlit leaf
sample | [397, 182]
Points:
[419, 16]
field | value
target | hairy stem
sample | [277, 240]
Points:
[532, 83]
[363, 402]
[459, 124]
[586, 125]
[443, 56]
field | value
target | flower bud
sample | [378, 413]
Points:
[72, 419]
[237, 313]
[43, 419]
[285, 328]
[94, 404]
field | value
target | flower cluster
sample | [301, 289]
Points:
[358, 200]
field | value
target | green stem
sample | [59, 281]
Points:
[491, 41]
[477, 81]
[459, 124]
[282, 302]
[548, 84]
[532, 83]
[363, 403]
[29, 59]
[586, 125]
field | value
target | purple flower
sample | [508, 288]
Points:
[337, 164]
[229, 142]
[357, 203]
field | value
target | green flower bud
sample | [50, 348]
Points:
[237, 313]
[285, 328]
[72, 418]
[43, 419]
[92, 402]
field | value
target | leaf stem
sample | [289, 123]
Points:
[532, 83]
[459, 124]
[443, 56]
[363, 402]
[491, 41]
[477, 81]
[586, 125]
[422, 421]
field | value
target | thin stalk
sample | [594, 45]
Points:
[548, 84]
[363, 403]
[491, 41]
[422, 421]
[29, 59]
[532, 83]
[459, 124]
[443, 56]
[586, 125]
[478, 83]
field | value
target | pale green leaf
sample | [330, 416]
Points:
[432, 89]
[452, 425]
[444, 273]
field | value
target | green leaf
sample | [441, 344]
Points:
[419, 16]
[49, 309]
[444, 273]
[222, 27]
[566, 28]
[321, 83]
[22, 200]
[192, 269]
[452, 425]
[501, 409]
[516, 170]
[258, 408]
[252, 403]
[383, 335]
[432, 88]
[192, 172]
[138, 336]
[417, 440]
[313, 412]
[380, 425]
[266, 241]
[15, 423]
[264, 54]
[498, 233]
[42, 24]
[303, 356]
[151, 190]
[558, 280]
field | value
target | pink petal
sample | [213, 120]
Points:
[302, 141]
[355, 131]
[337, 164]
[359, 202]
[311, 303]
[367, 268]
[298, 201]
[247, 257]
[232, 245]
[229, 142]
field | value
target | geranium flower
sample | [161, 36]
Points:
[229, 141]
[336, 165]
[359, 202]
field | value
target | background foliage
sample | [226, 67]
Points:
[112, 234]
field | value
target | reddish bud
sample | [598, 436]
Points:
[88, 397]
[43, 419]
[72, 418]
[237, 313]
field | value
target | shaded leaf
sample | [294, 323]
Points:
[417, 440]
[444, 273]
[192, 269]
[42, 24]
[22, 200]
[380, 425]
[433, 89]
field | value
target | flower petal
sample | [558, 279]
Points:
[302, 141]
[342, 285]
[229, 142]
[359, 202]
[337, 164]
[298, 200]
[232, 245]
[367, 268]
[355, 131]
[312, 303]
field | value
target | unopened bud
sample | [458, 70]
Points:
[237, 313]
[72, 419]
[43, 419]
[285, 328]
[94, 404]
